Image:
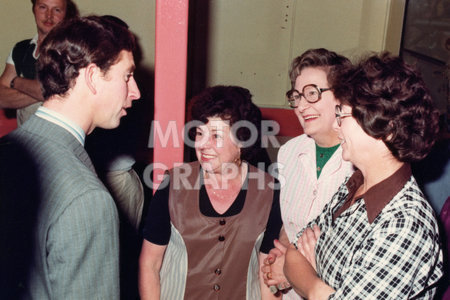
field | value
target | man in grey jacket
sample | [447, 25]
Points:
[58, 223]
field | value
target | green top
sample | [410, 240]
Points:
[323, 155]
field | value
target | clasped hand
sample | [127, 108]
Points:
[272, 269]
[307, 243]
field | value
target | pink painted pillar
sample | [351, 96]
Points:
[170, 84]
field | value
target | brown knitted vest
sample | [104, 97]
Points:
[219, 249]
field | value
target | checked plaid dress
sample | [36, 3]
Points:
[392, 254]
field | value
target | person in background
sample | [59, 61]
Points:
[19, 88]
[59, 227]
[311, 164]
[212, 221]
[378, 237]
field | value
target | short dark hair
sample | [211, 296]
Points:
[231, 103]
[71, 9]
[116, 20]
[74, 45]
[390, 102]
[331, 62]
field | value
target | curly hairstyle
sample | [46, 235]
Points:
[71, 9]
[331, 62]
[74, 45]
[390, 101]
[230, 103]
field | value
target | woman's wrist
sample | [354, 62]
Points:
[319, 290]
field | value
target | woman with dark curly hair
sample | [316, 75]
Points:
[234, 105]
[378, 237]
[212, 221]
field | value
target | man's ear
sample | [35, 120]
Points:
[92, 75]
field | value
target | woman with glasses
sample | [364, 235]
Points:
[378, 237]
[311, 164]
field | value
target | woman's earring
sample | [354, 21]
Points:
[238, 160]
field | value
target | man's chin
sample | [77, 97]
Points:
[111, 125]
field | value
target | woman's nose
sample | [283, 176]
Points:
[204, 142]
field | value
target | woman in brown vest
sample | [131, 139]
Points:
[212, 221]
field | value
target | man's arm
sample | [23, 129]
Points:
[150, 263]
[83, 249]
[24, 93]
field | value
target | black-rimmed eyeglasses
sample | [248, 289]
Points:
[340, 115]
[311, 92]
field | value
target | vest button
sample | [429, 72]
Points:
[218, 271]
[221, 238]
[222, 222]
[216, 287]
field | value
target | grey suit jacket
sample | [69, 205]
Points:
[59, 225]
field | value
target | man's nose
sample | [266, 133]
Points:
[133, 90]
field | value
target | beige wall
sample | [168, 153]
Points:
[250, 42]
[17, 23]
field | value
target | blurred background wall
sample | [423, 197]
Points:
[250, 43]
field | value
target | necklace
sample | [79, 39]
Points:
[220, 187]
[223, 192]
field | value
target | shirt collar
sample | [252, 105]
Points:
[34, 39]
[308, 146]
[64, 122]
[378, 196]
